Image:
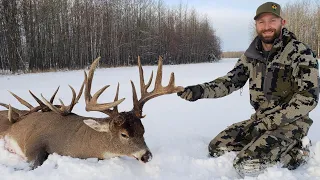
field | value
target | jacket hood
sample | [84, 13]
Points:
[255, 49]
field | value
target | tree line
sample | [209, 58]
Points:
[40, 35]
[303, 19]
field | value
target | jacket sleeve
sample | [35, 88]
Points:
[232, 81]
[306, 76]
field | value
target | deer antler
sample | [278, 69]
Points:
[91, 101]
[62, 109]
[157, 91]
[13, 113]
[22, 101]
[42, 106]
[13, 116]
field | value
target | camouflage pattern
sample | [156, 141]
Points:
[282, 145]
[283, 90]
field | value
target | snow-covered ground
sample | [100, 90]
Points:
[177, 131]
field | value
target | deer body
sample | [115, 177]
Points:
[48, 128]
[43, 133]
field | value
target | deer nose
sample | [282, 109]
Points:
[146, 157]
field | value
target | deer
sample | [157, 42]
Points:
[45, 129]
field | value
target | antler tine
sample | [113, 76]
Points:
[4, 105]
[23, 102]
[159, 75]
[136, 107]
[38, 100]
[157, 91]
[143, 86]
[115, 109]
[98, 93]
[54, 95]
[91, 101]
[80, 91]
[64, 110]
[73, 101]
[42, 106]
[12, 115]
[7, 106]
[52, 107]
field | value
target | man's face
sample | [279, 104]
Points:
[268, 27]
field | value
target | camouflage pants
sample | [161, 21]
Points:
[257, 153]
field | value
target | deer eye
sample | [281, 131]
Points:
[124, 135]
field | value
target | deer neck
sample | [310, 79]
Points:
[85, 142]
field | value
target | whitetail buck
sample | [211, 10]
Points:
[34, 134]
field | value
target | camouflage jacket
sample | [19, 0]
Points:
[283, 87]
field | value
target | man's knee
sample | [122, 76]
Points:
[215, 150]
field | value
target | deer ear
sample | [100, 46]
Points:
[100, 126]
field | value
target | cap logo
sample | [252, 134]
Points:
[274, 7]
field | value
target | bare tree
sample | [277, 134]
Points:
[39, 35]
[11, 34]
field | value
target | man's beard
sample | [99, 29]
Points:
[269, 40]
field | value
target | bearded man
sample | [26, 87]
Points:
[283, 81]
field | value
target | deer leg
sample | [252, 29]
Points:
[37, 156]
[40, 158]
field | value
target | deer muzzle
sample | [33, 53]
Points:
[143, 156]
[146, 157]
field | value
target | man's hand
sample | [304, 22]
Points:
[191, 93]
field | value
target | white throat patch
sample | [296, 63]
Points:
[12, 146]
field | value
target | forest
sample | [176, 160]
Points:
[44, 35]
[47, 35]
[303, 19]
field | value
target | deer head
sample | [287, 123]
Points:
[126, 126]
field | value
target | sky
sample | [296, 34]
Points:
[232, 19]
[177, 132]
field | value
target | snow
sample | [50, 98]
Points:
[177, 131]
[305, 142]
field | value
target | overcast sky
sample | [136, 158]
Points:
[231, 19]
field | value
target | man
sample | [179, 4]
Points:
[283, 82]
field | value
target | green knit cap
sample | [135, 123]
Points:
[268, 7]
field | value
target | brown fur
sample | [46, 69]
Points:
[49, 132]
[4, 122]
